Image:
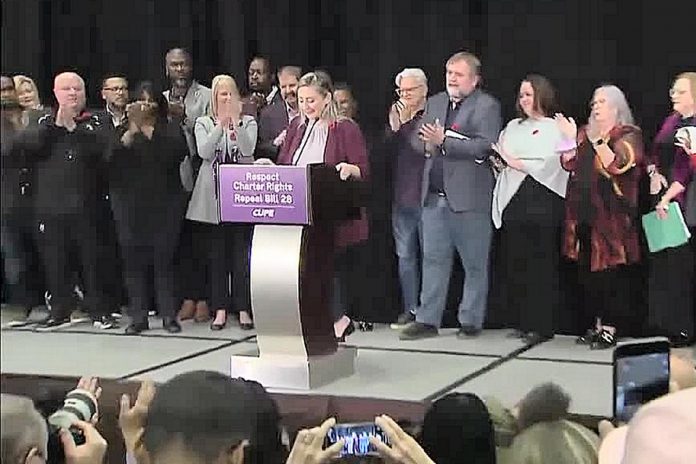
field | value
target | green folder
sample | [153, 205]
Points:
[666, 233]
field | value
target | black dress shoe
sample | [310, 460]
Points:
[417, 330]
[246, 325]
[590, 337]
[135, 328]
[604, 341]
[171, 325]
[348, 330]
[468, 331]
[682, 340]
[534, 338]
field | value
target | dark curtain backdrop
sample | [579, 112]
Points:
[579, 44]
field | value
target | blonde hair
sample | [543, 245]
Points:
[321, 82]
[691, 77]
[217, 80]
[20, 80]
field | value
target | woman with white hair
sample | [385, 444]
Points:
[601, 233]
[224, 136]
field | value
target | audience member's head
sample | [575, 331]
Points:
[458, 428]
[546, 436]
[202, 417]
[69, 89]
[179, 67]
[315, 97]
[260, 75]
[7, 88]
[114, 92]
[661, 432]
[27, 92]
[347, 105]
[288, 79]
[23, 430]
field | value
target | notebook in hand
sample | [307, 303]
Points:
[665, 233]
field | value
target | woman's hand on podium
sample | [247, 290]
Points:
[264, 162]
[348, 171]
[309, 444]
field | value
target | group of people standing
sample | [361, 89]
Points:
[555, 190]
[150, 161]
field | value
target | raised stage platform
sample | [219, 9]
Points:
[395, 377]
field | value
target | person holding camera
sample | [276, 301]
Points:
[148, 203]
[69, 435]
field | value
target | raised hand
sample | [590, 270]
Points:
[404, 448]
[309, 443]
[567, 126]
[132, 419]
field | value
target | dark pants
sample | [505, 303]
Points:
[226, 251]
[56, 236]
[151, 261]
[529, 280]
[191, 262]
[21, 273]
[671, 286]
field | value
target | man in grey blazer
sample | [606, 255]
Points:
[458, 128]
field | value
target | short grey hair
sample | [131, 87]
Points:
[472, 60]
[23, 428]
[617, 100]
[417, 73]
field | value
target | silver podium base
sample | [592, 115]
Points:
[295, 372]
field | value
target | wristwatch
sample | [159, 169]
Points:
[599, 142]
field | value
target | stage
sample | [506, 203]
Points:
[393, 376]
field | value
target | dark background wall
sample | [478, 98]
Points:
[639, 45]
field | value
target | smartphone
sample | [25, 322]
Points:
[356, 438]
[641, 374]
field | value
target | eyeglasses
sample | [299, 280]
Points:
[116, 89]
[405, 90]
[674, 92]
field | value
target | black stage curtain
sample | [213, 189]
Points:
[579, 44]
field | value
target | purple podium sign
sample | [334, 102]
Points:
[264, 194]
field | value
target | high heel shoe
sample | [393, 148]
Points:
[346, 332]
[590, 337]
[216, 324]
[605, 340]
[245, 325]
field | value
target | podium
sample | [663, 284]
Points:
[294, 211]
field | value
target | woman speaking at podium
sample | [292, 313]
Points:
[322, 136]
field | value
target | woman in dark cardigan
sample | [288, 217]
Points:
[321, 136]
[671, 301]
[148, 202]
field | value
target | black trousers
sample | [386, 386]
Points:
[149, 270]
[529, 281]
[57, 234]
[671, 286]
[225, 249]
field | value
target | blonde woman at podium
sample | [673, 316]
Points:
[322, 136]
[224, 136]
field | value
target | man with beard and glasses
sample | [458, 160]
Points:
[275, 118]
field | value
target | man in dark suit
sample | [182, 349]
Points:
[275, 118]
[458, 129]
[114, 92]
[261, 91]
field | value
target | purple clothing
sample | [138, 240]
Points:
[682, 167]
[683, 172]
[409, 163]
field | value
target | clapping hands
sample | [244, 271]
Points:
[567, 126]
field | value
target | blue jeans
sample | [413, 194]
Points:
[470, 234]
[406, 228]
